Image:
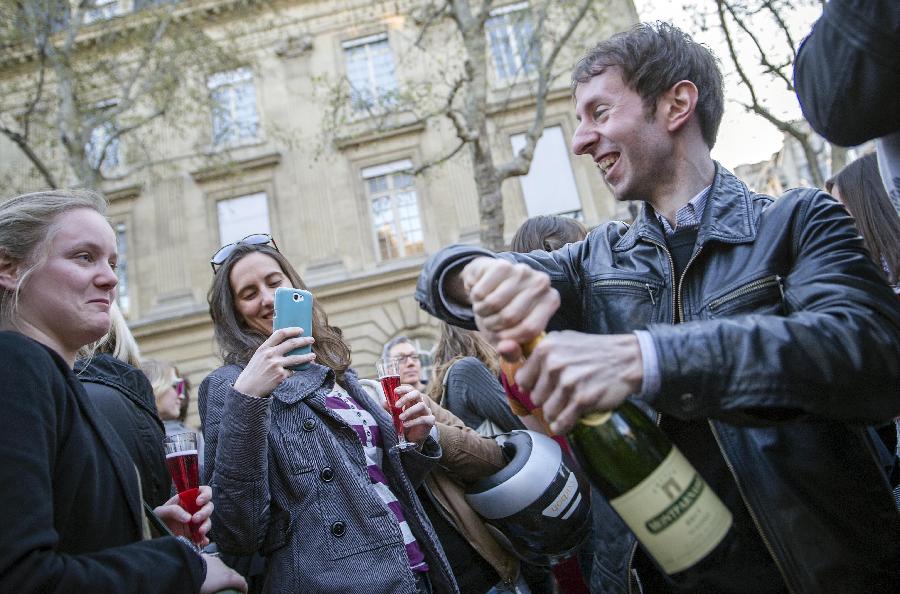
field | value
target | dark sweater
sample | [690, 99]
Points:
[71, 513]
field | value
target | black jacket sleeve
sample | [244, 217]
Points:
[39, 428]
[833, 355]
[847, 72]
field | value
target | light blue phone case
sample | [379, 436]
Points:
[293, 308]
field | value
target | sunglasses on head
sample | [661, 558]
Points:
[226, 250]
[178, 384]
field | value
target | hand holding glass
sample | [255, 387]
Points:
[183, 464]
[389, 376]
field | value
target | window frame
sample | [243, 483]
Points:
[525, 66]
[231, 80]
[387, 170]
[380, 98]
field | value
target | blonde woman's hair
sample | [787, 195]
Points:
[118, 342]
[161, 375]
[26, 230]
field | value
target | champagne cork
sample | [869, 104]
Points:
[509, 368]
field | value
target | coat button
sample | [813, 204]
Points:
[309, 425]
[327, 474]
[338, 529]
[688, 401]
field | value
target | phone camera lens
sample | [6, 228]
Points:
[296, 297]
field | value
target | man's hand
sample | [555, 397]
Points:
[570, 374]
[512, 303]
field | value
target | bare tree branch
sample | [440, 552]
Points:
[521, 163]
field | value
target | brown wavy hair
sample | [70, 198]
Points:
[454, 344]
[862, 192]
[237, 342]
[546, 232]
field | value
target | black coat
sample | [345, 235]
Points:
[124, 396]
[70, 512]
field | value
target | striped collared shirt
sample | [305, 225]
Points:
[688, 216]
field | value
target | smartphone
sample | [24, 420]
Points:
[293, 308]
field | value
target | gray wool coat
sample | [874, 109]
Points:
[289, 480]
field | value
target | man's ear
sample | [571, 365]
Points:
[680, 102]
[9, 272]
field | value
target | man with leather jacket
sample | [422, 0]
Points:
[758, 329]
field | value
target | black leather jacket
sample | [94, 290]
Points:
[784, 335]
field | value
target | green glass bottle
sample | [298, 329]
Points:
[674, 514]
[668, 506]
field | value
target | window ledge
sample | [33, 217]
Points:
[367, 130]
[236, 167]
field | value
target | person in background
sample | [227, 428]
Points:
[479, 563]
[72, 513]
[170, 392]
[465, 382]
[301, 460]
[858, 187]
[110, 372]
[404, 351]
[546, 232]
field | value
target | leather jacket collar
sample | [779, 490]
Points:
[728, 216]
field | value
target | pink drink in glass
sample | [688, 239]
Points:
[183, 465]
[389, 375]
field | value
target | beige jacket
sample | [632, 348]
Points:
[467, 457]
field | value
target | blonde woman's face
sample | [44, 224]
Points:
[65, 301]
[168, 403]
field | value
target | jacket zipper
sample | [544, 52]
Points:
[756, 523]
[627, 283]
[755, 285]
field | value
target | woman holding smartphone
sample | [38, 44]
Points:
[72, 512]
[302, 463]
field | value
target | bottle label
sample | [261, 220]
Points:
[674, 514]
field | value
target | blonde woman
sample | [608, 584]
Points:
[71, 514]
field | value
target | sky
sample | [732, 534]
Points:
[743, 137]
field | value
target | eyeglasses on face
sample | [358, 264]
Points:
[226, 250]
[414, 357]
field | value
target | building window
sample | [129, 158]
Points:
[549, 188]
[510, 33]
[103, 147]
[395, 209]
[243, 216]
[123, 295]
[235, 118]
[370, 72]
[102, 10]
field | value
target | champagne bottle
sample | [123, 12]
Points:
[674, 514]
